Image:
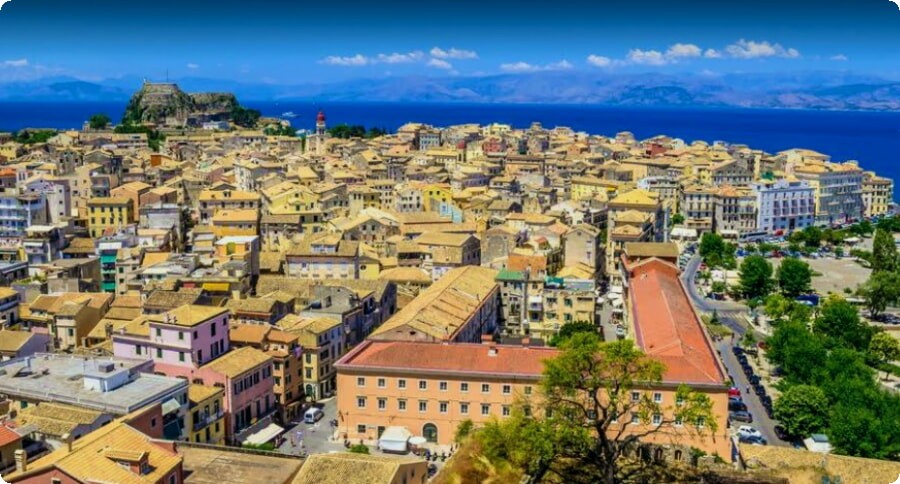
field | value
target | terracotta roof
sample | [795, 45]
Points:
[651, 249]
[189, 315]
[468, 358]
[667, 327]
[348, 468]
[238, 361]
[7, 436]
[249, 333]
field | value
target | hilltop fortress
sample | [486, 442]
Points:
[165, 104]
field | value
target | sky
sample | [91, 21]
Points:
[284, 42]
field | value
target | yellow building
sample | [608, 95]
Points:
[236, 222]
[104, 213]
[289, 198]
[635, 216]
[435, 194]
[877, 193]
[587, 187]
[206, 425]
[323, 342]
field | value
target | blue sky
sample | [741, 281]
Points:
[299, 41]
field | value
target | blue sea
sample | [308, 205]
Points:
[872, 138]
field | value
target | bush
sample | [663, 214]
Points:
[359, 449]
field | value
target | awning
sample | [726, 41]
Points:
[394, 439]
[169, 406]
[216, 286]
[265, 435]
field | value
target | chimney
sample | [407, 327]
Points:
[21, 461]
[487, 338]
[67, 438]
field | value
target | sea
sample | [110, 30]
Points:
[871, 138]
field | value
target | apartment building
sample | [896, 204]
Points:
[207, 414]
[783, 206]
[323, 341]
[635, 216]
[838, 189]
[324, 257]
[735, 211]
[877, 194]
[108, 213]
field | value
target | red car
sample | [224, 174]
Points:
[734, 392]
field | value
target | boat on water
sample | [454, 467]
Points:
[289, 114]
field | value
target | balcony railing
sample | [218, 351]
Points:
[206, 419]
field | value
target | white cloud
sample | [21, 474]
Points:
[599, 61]
[3, 2]
[193, 66]
[453, 53]
[897, 2]
[15, 63]
[712, 54]
[683, 50]
[839, 58]
[750, 49]
[526, 67]
[398, 58]
[352, 61]
[439, 64]
[650, 57]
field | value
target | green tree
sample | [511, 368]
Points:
[839, 321]
[712, 249]
[588, 389]
[812, 236]
[884, 348]
[99, 121]
[755, 277]
[794, 277]
[359, 449]
[527, 443]
[464, 430]
[569, 329]
[880, 291]
[677, 219]
[884, 252]
[244, 117]
[792, 347]
[802, 410]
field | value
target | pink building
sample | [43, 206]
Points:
[192, 342]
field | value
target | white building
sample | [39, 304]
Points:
[784, 205]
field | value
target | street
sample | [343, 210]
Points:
[731, 315]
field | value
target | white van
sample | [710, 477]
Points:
[313, 415]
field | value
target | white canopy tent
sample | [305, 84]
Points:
[394, 439]
[266, 434]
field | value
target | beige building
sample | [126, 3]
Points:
[838, 188]
[635, 216]
[877, 194]
[735, 211]
[323, 342]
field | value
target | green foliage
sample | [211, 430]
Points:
[862, 255]
[884, 252]
[567, 330]
[880, 291]
[716, 252]
[154, 137]
[884, 348]
[755, 277]
[359, 449]
[99, 121]
[890, 224]
[30, 137]
[719, 287]
[345, 131]
[526, 443]
[794, 277]
[792, 347]
[280, 130]
[268, 446]
[464, 430]
[840, 323]
[244, 117]
[802, 410]
[677, 219]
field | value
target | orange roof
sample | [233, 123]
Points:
[7, 436]
[508, 361]
[519, 262]
[666, 326]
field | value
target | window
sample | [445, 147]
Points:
[360, 402]
[679, 400]
[158, 352]
[382, 404]
[443, 407]
[158, 333]
[506, 410]
[401, 405]
[635, 418]
[423, 385]
[485, 409]
[442, 386]
[657, 419]
[361, 428]
[181, 355]
[635, 396]
[528, 390]
[180, 336]
[678, 421]
[423, 405]
[464, 408]
[657, 397]
[382, 383]
[464, 387]
[701, 422]
[360, 381]
[507, 389]
[137, 349]
[485, 388]
[401, 383]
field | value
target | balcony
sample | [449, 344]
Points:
[206, 419]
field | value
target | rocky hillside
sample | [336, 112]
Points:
[161, 104]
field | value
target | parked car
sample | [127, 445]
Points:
[781, 433]
[735, 406]
[748, 431]
[741, 416]
[752, 440]
[734, 392]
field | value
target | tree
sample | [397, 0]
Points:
[755, 277]
[567, 330]
[588, 389]
[792, 347]
[884, 348]
[794, 277]
[464, 430]
[812, 236]
[880, 291]
[246, 118]
[839, 322]
[677, 219]
[99, 121]
[802, 410]
[712, 249]
[884, 252]
[359, 449]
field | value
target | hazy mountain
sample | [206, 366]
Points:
[813, 90]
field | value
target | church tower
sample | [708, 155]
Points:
[321, 133]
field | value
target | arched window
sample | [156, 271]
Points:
[430, 432]
[311, 391]
[658, 455]
[678, 455]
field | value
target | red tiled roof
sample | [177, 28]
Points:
[509, 361]
[666, 326]
[7, 436]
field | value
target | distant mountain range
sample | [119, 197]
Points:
[810, 90]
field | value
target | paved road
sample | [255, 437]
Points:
[315, 438]
[731, 314]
